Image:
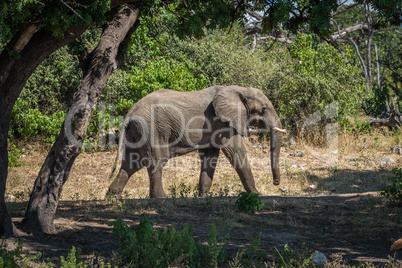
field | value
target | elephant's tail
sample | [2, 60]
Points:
[122, 136]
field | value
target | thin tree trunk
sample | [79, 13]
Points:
[109, 55]
[368, 45]
[13, 75]
[378, 68]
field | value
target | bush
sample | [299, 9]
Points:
[311, 78]
[249, 202]
[223, 59]
[395, 189]
[146, 247]
[14, 156]
[13, 258]
[52, 85]
[163, 73]
[73, 259]
[29, 123]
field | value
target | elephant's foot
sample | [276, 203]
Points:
[203, 193]
[112, 194]
[157, 194]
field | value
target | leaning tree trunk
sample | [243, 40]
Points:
[33, 47]
[108, 55]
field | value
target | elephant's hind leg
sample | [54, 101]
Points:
[209, 159]
[128, 168]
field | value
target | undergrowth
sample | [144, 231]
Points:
[14, 258]
[249, 202]
[395, 189]
[147, 247]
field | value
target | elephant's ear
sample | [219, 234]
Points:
[231, 106]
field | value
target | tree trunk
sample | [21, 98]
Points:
[109, 55]
[13, 75]
[368, 45]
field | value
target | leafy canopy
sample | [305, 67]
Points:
[56, 16]
[313, 16]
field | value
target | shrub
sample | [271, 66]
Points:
[31, 122]
[14, 156]
[13, 258]
[223, 59]
[73, 259]
[28, 123]
[146, 247]
[163, 73]
[52, 85]
[249, 202]
[395, 189]
[290, 258]
[310, 78]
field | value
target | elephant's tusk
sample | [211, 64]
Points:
[279, 129]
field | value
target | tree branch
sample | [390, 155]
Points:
[333, 14]
[354, 28]
[356, 48]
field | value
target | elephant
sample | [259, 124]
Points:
[166, 123]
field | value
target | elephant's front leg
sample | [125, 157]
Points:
[236, 153]
[209, 159]
[155, 179]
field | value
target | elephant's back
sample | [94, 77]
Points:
[187, 102]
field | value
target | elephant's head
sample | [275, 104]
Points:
[243, 107]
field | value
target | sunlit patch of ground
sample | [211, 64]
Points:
[326, 207]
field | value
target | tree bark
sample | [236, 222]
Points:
[33, 48]
[368, 45]
[109, 55]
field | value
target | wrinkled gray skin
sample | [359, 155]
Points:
[167, 123]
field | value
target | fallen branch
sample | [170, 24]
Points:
[391, 118]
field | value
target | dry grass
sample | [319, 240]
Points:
[354, 166]
[352, 227]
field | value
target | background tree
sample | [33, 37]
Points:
[362, 24]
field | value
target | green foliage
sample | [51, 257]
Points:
[51, 87]
[163, 73]
[315, 20]
[197, 16]
[249, 202]
[395, 189]
[146, 247]
[55, 16]
[14, 156]
[313, 16]
[290, 258]
[73, 259]
[223, 58]
[310, 79]
[13, 258]
[215, 253]
[29, 123]
[116, 88]
[363, 126]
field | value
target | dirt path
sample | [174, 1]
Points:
[360, 227]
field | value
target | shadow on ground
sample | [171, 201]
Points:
[359, 226]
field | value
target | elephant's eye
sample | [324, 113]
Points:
[264, 108]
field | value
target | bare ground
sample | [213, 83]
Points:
[332, 204]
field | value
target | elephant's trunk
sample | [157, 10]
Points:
[276, 142]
